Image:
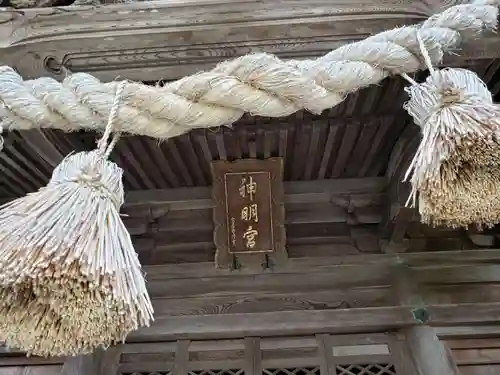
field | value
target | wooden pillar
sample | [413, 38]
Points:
[427, 352]
[327, 364]
[181, 357]
[253, 356]
[102, 362]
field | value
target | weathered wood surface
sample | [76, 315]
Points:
[295, 351]
[458, 278]
[167, 40]
[274, 352]
[321, 295]
[101, 362]
[429, 354]
[475, 352]
[187, 296]
[310, 321]
[312, 147]
[323, 218]
[473, 355]
[181, 358]
[397, 216]
[353, 200]
[175, 225]
[253, 355]
[324, 350]
[30, 370]
[277, 300]
[305, 192]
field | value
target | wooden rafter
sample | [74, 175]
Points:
[398, 216]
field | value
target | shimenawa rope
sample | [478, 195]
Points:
[260, 84]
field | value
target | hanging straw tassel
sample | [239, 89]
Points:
[455, 171]
[70, 279]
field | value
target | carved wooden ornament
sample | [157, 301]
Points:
[249, 213]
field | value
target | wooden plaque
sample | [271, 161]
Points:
[249, 213]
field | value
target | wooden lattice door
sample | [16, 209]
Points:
[293, 371]
[372, 354]
[217, 372]
[372, 369]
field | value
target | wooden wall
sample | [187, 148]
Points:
[476, 356]
[367, 354]
[30, 370]
[293, 310]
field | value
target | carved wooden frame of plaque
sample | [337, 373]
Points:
[224, 257]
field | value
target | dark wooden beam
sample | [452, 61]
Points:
[208, 292]
[287, 323]
[441, 268]
[464, 258]
[296, 192]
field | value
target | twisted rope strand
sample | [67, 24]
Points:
[260, 84]
[104, 149]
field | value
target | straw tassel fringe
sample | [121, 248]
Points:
[455, 171]
[71, 280]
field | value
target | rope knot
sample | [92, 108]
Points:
[91, 170]
[449, 91]
[91, 177]
[451, 95]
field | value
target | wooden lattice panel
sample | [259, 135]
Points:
[198, 372]
[372, 369]
[217, 372]
[292, 371]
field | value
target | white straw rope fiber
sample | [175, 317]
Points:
[260, 84]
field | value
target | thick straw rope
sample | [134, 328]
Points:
[260, 84]
[71, 280]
